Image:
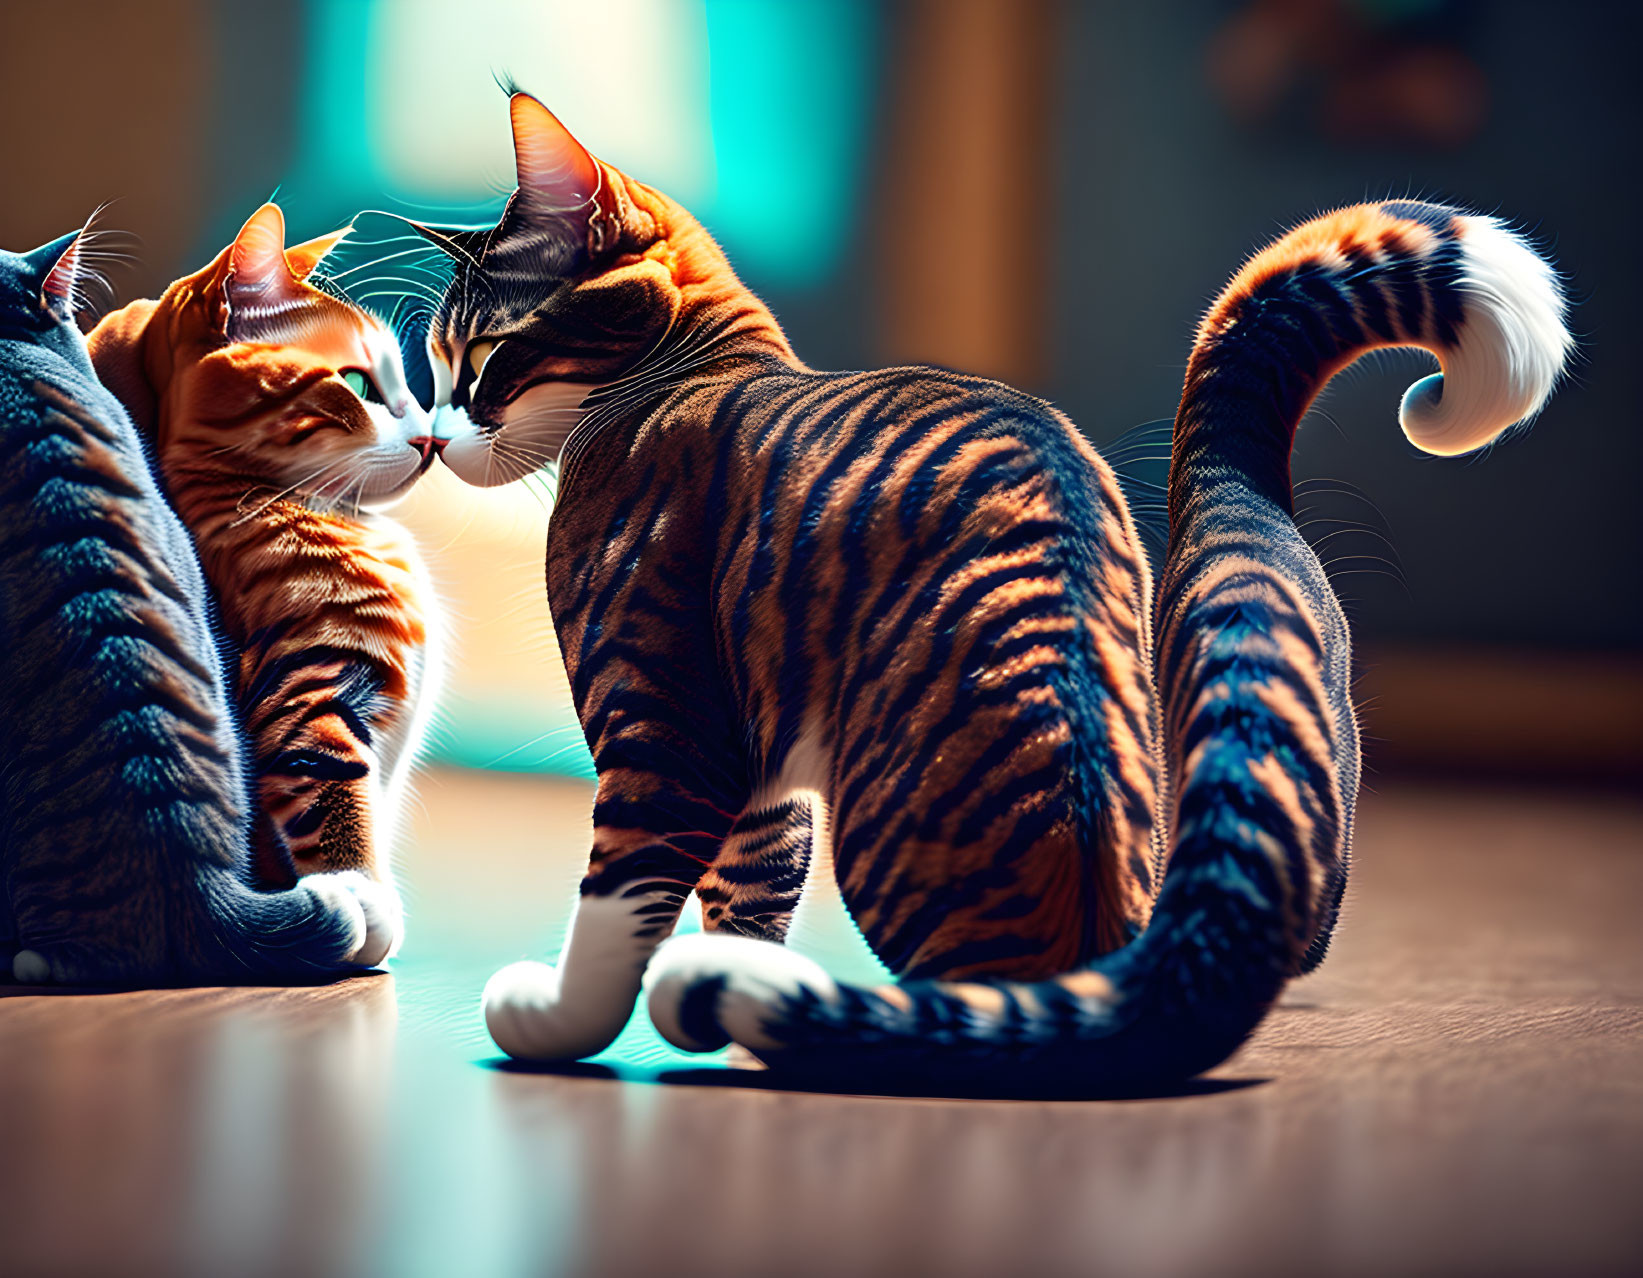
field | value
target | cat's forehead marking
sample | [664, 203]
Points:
[341, 336]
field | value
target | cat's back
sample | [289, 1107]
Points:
[821, 414]
[873, 462]
[74, 472]
[101, 597]
[65, 433]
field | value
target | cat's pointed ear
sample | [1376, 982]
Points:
[57, 266]
[257, 259]
[303, 258]
[259, 281]
[562, 185]
[556, 174]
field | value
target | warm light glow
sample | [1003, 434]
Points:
[628, 77]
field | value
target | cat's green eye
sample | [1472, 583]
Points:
[361, 385]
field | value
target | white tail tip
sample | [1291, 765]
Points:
[1512, 348]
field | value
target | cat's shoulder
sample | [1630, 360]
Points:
[35, 379]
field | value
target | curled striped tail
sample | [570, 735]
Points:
[1253, 670]
[1466, 288]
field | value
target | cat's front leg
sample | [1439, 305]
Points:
[645, 861]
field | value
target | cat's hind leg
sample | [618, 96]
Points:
[773, 882]
[326, 925]
[749, 893]
[754, 883]
[327, 922]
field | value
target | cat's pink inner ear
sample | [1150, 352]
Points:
[58, 286]
[555, 171]
[257, 260]
[259, 286]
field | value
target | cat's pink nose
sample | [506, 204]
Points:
[428, 445]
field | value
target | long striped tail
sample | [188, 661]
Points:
[1253, 671]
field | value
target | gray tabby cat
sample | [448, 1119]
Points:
[123, 798]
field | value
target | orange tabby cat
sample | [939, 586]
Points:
[281, 424]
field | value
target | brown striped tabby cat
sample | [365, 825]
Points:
[894, 630]
[281, 423]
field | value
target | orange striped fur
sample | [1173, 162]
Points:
[280, 469]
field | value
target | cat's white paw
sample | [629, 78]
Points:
[29, 967]
[745, 978]
[373, 908]
[530, 1020]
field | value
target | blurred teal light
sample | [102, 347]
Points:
[791, 90]
[754, 114]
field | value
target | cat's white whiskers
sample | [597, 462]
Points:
[286, 492]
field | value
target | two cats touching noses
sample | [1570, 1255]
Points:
[884, 637]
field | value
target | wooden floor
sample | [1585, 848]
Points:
[1459, 1091]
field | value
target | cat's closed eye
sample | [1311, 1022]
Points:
[315, 763]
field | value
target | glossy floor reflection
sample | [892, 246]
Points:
[1460, 1090]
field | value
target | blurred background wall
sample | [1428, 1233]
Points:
[1049, 192]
